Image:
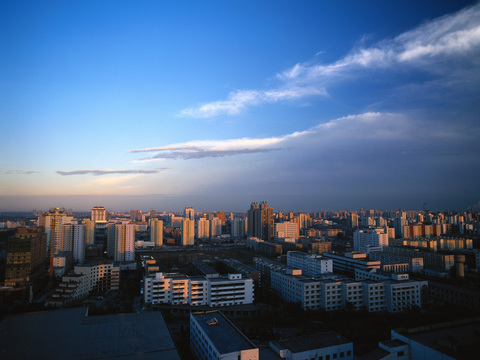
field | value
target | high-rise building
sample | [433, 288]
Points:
[215, 227]
[238, 228]
[189, 213]
[89, 231]
[287, 231]
[370, 239]
[98, 214]
[260, 221]
[124, 248]
[188, 232]
[156, 231]
[26, 255]
[203, 228]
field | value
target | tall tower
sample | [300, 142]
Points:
[203, 229]
[188, 232]
[260, 221]
[124, 247]
[98, 214]
[156, 231]
[52, 222]
[189, 213]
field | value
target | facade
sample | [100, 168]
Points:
[215, 227]
[124, 242]
[430, 259]
[311, 265]
[348, 262]
[188, 232]
[213, 336]
[327, 345]
[189, 213]
[26, 255]
[72, 288]
[260, 222]
[203, 228]
[239, 228]
[415, 264]
[98, 214]
[156, 231]
[177, 289]
[287, 230]
[369, 239]
[101, 277]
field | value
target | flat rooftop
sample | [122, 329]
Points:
[312, 342]
[68, 334]
[224, 335]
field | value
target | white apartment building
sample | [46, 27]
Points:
[213, 336]
[156, 231]
[239, 228]
[311, 265]
[188, 232]
[215, 227]
[176, 289]
[101, 277]
[348, 262]
[415, 264]
[374, 296]
[370, 239]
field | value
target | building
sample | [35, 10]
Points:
[203, 228]
[156, 231]
[178, 289]
[102, 276]
[311, 265]
[431, 260]
[124, 243]
[287, 230]
[71, 289]
[98, 214]
[215, 227]
[62, 263]
[213, 336]
[260, 222]
[238, 228]
[368, 240]
[326, 345]
[26, 256]
[188, 232]
[189, 213]
[415, 264]
[348, 262]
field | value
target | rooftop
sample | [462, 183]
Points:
[69, 334]
[222, 333]
[312, 342]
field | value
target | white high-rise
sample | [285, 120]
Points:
[98, 214]
[188, 232]
[370, 239]
[215, 227]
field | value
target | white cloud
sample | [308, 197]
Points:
[98, 172]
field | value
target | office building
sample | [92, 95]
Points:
[348, 262]
[213, 336]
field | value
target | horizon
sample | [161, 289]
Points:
[307, 106]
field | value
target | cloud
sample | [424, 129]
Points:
[239, 100]
[109, 172]
[22, 172]
[442, 39]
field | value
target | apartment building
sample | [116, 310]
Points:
[178, 289]
[311, 265]
[101, 277]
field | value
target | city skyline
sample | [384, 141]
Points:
[311, 106]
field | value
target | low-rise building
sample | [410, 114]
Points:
[311, 265]
[213, 336]
[327, 345]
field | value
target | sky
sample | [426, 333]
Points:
[307, 105]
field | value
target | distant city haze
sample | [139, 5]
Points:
[308, 106]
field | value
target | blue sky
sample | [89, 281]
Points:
[308, 105]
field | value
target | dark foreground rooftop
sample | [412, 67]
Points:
[68, 334]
